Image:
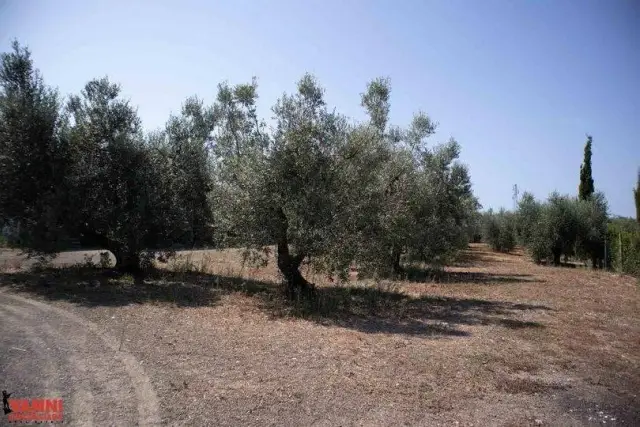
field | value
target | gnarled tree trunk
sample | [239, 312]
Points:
[289, 265]
[129, 262]
[396, 268]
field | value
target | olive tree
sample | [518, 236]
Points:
[592, 228]
[500, 230]
[563, 226]
[447, 208]
[136, 194]
[408, 200]
[111, 180]
[527, 217]
[87, 171]
[33, 155]
[317, 186]
[187, 139]
[278, 187]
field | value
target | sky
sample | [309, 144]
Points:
[519, 84]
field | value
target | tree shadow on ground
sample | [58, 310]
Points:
[366, 309]
[470, 258]
[419, 274]
[549, 263]
[374, 310]
[619, 407]
[93, 287]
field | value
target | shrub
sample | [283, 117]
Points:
[624, 247]
[538, 244]
[592, 220]
[499, 231]
[562, 226]
[527, 219]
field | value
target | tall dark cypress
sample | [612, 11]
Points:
[586, 188]
[636, 195]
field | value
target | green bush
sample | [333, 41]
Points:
[499, 231]
[527, 219]
[538, 244]
[592, 217]
[624, 247]
[563, 226]
[474, 228]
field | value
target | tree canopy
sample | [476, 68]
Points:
[85, 170]
[315, 184]
[320, 187]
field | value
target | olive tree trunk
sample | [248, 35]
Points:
[289, 265]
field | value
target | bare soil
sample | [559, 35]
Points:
[496, 340]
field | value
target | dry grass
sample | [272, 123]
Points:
[229, 263]
[495, 340]
[9, 263]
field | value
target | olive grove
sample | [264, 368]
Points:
[313, 184]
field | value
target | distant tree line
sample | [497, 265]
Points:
[564, 227]
[315, 184]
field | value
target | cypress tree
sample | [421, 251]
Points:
[586, 188]
[636, 195]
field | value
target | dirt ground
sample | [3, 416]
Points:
[495, 341]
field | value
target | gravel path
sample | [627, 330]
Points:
[48, 352]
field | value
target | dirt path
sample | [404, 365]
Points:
[48, 352]
[12, 258]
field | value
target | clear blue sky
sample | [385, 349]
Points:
[517, 83]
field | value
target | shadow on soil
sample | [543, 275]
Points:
[469, 258]
[616, 408]
[474, 255]
[415, 274]
[367, 309]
